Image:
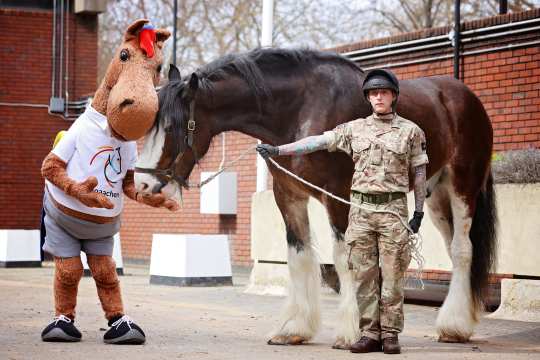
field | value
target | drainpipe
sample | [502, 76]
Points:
[175, 11]
[457, 37]
[266, 41]
[503, 7]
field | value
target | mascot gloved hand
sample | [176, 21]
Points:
[86, 175]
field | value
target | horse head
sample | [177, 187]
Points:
[180, 136]
[127, 94]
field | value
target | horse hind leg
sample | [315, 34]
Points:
[348, 329]
[450, 214]
[300, 319]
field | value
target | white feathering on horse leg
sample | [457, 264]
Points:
[301, 316]
[457, 317]
[348, 330]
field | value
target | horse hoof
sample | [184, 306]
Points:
[286, 340]
[452, 338]
[341, 344]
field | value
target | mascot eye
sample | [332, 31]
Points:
[124, 55]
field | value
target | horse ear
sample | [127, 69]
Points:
[174, 73]
[161, 36]
[194, 82]
[133, 29]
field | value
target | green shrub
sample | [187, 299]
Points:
[516, 166]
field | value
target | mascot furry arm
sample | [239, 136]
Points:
[54, 170]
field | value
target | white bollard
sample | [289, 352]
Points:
[190, 260]
[20, 248]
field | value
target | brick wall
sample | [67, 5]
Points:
[26, 133]
[506, 81]
[140, 222]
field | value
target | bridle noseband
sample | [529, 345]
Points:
[170, 172]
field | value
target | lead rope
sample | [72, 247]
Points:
[223, 168]
[414, 240]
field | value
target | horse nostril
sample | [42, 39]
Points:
[126, 102]
[157, 188]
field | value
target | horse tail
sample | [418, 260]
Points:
[483, 235]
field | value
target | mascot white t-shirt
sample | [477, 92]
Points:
[89, 149]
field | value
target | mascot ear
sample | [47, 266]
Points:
[133, 29]
[161, 36]
[174, 73]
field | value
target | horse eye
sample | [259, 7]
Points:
[124, 55]
[158, 68]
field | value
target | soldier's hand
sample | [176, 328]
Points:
[267, 151]
[416, 220]
[84, 192]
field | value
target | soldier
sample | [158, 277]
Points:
[384, 146]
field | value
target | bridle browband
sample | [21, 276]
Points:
[170, 172]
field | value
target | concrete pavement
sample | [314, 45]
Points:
[218, 323]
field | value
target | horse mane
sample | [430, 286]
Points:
[249, 66]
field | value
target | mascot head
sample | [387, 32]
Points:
[129, 84]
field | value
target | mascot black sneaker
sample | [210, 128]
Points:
[62, 329]
[124, 331]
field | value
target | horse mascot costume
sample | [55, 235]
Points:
[85, 176]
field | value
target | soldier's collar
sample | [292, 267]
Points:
[389, 116]
[385, 117]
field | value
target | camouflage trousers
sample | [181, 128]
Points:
[379, 256]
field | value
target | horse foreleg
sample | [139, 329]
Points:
[348, 329]
[457, 316]
[300, 319]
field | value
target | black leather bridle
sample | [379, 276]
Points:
[170, 173]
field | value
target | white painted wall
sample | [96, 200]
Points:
[519, 231]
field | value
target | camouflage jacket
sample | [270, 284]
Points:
[383, 148]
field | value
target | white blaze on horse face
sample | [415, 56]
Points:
[149, 158]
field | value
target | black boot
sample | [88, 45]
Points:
[61, 329]
[391, 345]
[366, 345]
[124, 331]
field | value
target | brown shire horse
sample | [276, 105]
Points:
[280, 96]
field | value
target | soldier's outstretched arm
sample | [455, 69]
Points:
[303, 146]
[419, 187]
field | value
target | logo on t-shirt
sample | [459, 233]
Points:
[112, 166]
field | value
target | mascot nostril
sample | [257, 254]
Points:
[86, 197]
[125, 103]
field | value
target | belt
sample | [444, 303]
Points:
[377, 198]
[79, 215]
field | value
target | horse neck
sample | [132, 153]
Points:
[244, 115]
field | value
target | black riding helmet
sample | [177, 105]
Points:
[381, 79]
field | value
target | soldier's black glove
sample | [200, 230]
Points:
[267, 151]
[416, 220]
